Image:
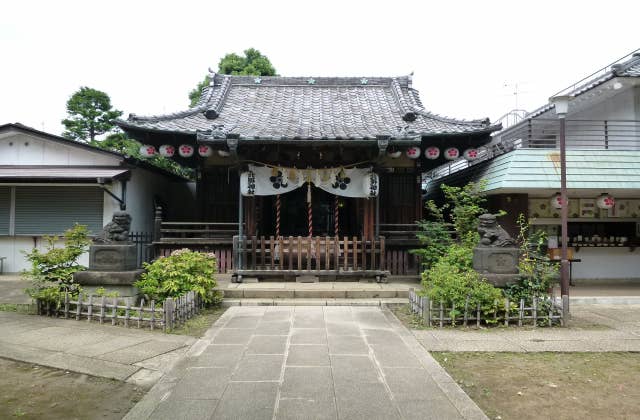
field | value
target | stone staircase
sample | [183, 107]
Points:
[316, 294]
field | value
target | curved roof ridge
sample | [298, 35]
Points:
[429, 114]
[202, 105]
[404, 105]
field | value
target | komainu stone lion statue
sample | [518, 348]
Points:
[492, 234]
[117, 230]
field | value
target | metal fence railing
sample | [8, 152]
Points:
[539, 133]
[143, 241]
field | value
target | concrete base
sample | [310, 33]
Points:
[107, 278]
[501, 280]
[129, 293]
[113, 281]
[307, 279]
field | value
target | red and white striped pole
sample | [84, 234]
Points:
[309, 209]
[336, 223]
[277, 215]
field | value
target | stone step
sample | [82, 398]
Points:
[314, 302]
[280, 293]
[307, 279]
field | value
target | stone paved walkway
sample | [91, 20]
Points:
[132, 355]
[307, 363]
[594, 328]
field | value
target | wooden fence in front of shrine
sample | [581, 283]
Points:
[317, 254]
[389, 252]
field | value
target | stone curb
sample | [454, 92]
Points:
[312, 302]
[467, 408]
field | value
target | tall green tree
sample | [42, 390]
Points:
[90, 114]
[253, 63]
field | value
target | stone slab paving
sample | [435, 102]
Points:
[132, 355]
[608, 328]
[307, 362]
[12, 289]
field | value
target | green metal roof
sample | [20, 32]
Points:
[531, 169]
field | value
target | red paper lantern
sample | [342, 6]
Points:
[204, 150]
[470, 154]
[167, 150]
[556, 201]
[185, 150]
[147, 150]
[432, 152]
[413, 152]
[605, 202]
[451, 153]
[394, 153]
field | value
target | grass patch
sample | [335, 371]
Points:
[21, 308]
[408, 318]
[198, 325]
[548, 385]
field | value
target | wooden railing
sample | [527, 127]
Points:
[197, 232]
[309, 254]
[399, 233]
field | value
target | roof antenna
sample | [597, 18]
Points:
[410, 80]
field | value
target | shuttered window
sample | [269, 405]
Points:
[5, 206]
[52, 210]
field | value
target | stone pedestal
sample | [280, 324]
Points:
[498, 265]
[113, 281]
[112, 266]
[113, 257]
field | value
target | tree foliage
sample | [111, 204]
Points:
[51, 272]
[253, 63]
[90, 114]
[121, 143]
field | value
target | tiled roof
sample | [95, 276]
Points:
[308, 108]
[629, 69]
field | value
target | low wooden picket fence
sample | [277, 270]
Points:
[442, 314]
[166, 315]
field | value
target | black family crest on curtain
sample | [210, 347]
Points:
[345, 182]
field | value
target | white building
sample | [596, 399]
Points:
[49, 183]
[522, 171]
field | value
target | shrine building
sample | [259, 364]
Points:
[305, 176]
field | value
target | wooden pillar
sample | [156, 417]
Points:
[251, 216]
[240, 241]
[418, 196]
[369, 218]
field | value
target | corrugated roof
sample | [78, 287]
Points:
[17, 173]
[530, 169]
[308, 108]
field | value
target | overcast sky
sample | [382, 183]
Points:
[468, 57]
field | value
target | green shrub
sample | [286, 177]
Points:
[465, 204]
[536, 271]
[453, 280]
[434, 236]
[51, 272]
[184, 270]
